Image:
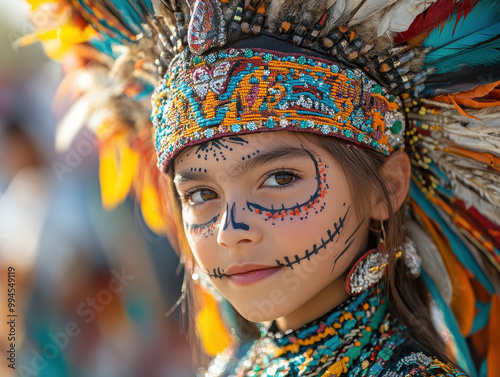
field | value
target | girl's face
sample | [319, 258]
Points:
[270, 218]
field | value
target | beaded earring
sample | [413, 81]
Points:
[370, 268]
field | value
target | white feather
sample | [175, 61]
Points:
[350, 6]
[470, 198]
[336, 9]
[480, 138]
[400, 15]
[78, 115]
[366, 11]
[471, 182]
[432, 262]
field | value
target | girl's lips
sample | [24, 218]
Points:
[252, 276]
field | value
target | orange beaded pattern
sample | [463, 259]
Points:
[240, 91]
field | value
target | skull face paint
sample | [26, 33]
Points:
[251, 261]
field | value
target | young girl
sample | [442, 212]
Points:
[286, 135]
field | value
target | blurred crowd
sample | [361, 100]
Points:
[91, 287]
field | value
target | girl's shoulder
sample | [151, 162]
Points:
[417, 364]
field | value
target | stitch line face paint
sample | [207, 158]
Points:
[216, 273]
[298, 209]
[338, 227]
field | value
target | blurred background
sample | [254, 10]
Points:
[91, 287]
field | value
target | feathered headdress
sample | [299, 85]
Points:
[434, 65]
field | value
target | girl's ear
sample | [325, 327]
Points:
[395, 173]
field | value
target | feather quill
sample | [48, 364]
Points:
[335, 11]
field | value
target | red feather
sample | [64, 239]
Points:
[437, 13]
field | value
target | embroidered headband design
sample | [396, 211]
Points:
[241, 91]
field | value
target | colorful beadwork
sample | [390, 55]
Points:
[240, 91]
[357, 338]
[360, 329]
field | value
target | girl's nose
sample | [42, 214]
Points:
[236, 228]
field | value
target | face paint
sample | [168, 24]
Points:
[349, 241]
[205, 229]
[199, 170]
[217, 148]
[231, 220]
[249, 156]
[285, 174]
[216, 273]
[315, 202]
[331, 235]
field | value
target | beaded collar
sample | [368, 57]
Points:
[358, 336]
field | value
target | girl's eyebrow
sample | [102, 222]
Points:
[279, 153]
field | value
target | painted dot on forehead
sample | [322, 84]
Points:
[248, 157]
[217, 148]
[199, 170]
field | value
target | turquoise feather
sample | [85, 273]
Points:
[146, 3]
[461, 251]
[464, 357]
[118, 38]
[483, 15]
[126, 13]
[465, 42]
[485, 55]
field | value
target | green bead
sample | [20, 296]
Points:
[396, 128]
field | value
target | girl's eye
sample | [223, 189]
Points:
[280, 179]
[201, 196]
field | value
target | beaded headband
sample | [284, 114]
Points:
[241, 91]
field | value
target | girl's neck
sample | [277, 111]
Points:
[330, 297]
